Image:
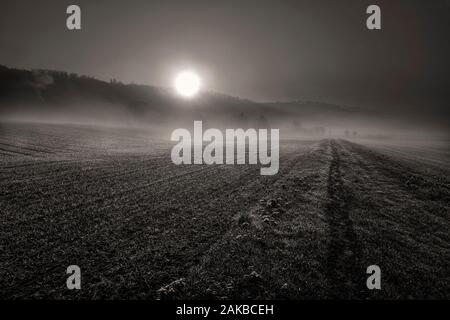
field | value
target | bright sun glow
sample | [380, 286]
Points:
[187, 84]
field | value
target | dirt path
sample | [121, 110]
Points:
[344, 252]
[401, 217]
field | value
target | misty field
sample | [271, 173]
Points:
[110, 201]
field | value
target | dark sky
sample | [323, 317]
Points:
[262, 50]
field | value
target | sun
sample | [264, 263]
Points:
[187, 84]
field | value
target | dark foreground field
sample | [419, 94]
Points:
[111, 202]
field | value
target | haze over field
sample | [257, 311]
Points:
[374, 82]
[55, 96]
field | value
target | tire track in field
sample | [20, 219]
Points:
[26, 147]
[161, 187]
[68, 173]
[265, 192]
[4, 153]
[25, 142]
[344, 251]
[90, 237]
[408, 179]
[402, 217]
[26, 164]
[93, 201]
[247, 177]
[412, 188]
[16, 153]
[137, 214]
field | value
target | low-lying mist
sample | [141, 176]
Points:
[59, 97]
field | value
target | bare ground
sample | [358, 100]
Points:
[112, 202]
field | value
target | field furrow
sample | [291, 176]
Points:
[139, 226]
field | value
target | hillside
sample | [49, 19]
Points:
[56, 96]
